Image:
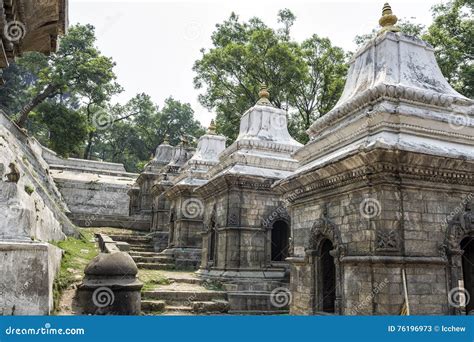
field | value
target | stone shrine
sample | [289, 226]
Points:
[186, 208]
[247, 230]
[372, 201]
[160, 204]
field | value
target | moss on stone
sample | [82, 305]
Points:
[29, 189]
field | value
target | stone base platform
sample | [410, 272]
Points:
[254, 292]
[27, 273]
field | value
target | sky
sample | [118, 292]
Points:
[155, 43]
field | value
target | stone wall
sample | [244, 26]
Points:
[96, 192]
[32, 213]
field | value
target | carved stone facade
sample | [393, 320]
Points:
[376, 187]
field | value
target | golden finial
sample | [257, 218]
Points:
[212, 128]
[167, 139]
[264, 95]
[388, 20]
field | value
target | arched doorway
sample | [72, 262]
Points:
[327, 277]
[280, 240]
[211, 255]
[467, 245]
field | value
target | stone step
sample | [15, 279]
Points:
[139, 244]
[216, 306]
[143, 254]
[153, 260]
[172, 297]
[131, 238]
[153, 305]
[189, 280]
[178, 308]
[155, 266]
[141, 249]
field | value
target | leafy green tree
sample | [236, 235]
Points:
[77, 67]
[140, 127]
[452, 36]
[305, 79]
[245, 55]
[320, 88]
[65, 128]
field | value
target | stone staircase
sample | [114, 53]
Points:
[141, 250]
[184, 296]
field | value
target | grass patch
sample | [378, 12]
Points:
[213, 285]
[29, 189]
[78, 252]
[152, 278]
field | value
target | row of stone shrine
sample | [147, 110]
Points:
[373, 214]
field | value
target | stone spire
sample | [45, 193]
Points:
[395, 96]
[195, 170]
[263, 146]
[388, 20]
[264, 96]
[163, 155]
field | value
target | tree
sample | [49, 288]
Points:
[246, 54]
[66, 128]
[452, 36]
[77, 67]
[140, 127]
[287, 18]
[319, 90]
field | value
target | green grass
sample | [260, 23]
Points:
[77, 254]
[213, 285]
[29, 189]
[151, 278]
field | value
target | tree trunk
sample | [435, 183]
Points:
[88, 149]
[25, 111]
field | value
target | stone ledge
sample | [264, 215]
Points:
[394, 260]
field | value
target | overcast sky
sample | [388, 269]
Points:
[155, 43]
